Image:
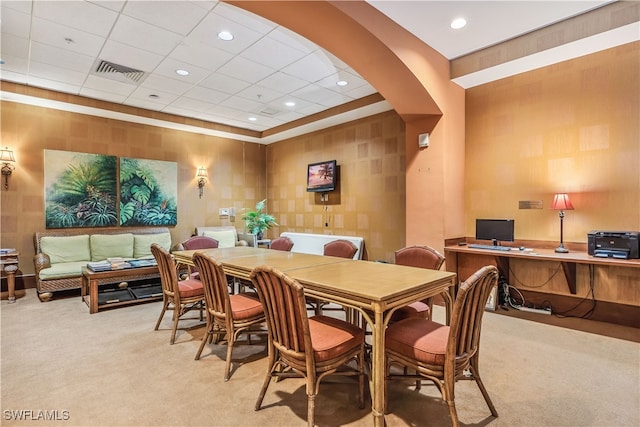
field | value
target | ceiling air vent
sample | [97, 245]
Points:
[118, 72]
[269, 111]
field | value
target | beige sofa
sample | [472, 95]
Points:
[227, 236]
[61, 254]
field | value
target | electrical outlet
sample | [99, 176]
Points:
[223, 212]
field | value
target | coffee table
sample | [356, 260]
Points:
[92, 279]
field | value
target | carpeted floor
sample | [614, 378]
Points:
[112, 369]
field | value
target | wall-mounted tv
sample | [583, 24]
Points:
[322, 176]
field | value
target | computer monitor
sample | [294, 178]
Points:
[496, 230]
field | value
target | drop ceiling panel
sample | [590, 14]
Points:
[246, 70]
[14, 22]
[201, 55]
[61, 57]
[223, 83]
[272, 53]
[136, 33]
[178, 17]
[51, 33]
[94, 19]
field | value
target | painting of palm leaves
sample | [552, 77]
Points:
[148, 192]
[80, 189]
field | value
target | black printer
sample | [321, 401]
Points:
[613, 244]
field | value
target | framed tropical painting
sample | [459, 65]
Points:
[148, 192]
[80, 189]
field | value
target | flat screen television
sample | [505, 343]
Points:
[496, 230]
[322, 176]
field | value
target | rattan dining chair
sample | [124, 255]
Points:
[422, 256]
[301, 346]
[180, 296]
[440, 353]
[195, 243]
[340, 248]
[229, 315]
[282, 243]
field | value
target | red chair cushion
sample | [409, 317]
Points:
[244, 306]
[332, 337]
[190, 288]
[419, 339]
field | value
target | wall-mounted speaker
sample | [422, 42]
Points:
[423, 140]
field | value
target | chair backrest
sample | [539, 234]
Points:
[286, 313]
[214, 283]
[419, 256]
[200, 242]
[167, 270]
[466, 318]
[340, 248]
[282, 244]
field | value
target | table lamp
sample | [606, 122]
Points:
[561, 202]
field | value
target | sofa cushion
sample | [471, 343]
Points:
[142, 243]
[66, 248]
[105, 246]
[61, 270]
[225, 238]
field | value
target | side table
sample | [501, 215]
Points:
[9, 263]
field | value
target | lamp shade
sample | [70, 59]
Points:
[6, 155]
[202, 173]
[561, 202]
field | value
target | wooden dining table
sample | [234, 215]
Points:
[376, 290]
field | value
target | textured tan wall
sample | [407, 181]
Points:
[236, 169]
[571, 128]
[370, 202]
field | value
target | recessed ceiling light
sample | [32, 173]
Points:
[290, 104]
[458, 23]
[253, 119]
[342, 82]
[225, 35]
[182, 72]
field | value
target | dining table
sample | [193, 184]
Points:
[374, 289]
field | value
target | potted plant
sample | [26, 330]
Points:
[258, 221]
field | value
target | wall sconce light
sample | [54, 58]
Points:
[561, 202]
[202, 179]
[7, 160]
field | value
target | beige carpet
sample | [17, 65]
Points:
[112, 369]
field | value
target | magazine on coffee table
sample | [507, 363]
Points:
[142, 262]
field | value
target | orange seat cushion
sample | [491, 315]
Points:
[190, 288]
[244, 306]
[419, 339]
[332, 337]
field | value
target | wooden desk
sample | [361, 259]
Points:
[567, 260]
[376, 290]
[613, 283]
